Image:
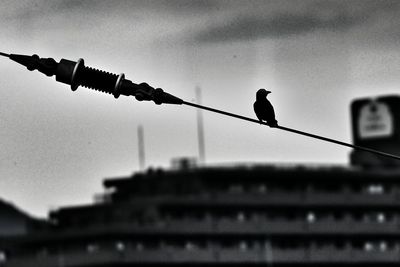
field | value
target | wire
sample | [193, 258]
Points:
[295, 131]
[4, 54]
[173, 100]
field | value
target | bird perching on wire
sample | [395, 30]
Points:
[264, 109]
[77, 74]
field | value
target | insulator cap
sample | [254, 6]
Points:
[65, 70]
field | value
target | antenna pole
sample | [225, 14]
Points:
[200, 128]
[142, 163]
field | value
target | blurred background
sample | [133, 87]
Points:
[315, 57]
[75, 191]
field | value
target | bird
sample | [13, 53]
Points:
[264, 109]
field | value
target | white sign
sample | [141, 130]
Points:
[375, 121]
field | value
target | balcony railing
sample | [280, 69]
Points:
[232, 225]
[315, 255]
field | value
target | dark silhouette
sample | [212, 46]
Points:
[76, 74]
[263, 108]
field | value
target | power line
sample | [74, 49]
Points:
[294, 131]
[76, 74]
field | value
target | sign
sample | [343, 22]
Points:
[375, 121]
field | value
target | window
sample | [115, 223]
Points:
[262, 188]
[383, 246]
[368, 246]
[311, 217]
[139, 246]
[190, 246]
[375, 189]
[91, 248]
[380, 217]
[241, 217]
[3, 257]
[236, 188]
[120, 246]
[243, 245]
[43, 252]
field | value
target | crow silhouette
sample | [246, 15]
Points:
[263, 108]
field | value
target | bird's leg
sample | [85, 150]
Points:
[273, 124]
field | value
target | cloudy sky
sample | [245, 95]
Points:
[315, 56]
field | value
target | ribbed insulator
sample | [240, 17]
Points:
[97, 80]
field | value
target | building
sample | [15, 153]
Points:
[237, 215]
[232, 216]
[15, 223]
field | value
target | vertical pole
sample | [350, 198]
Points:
[141, 148]
[200, 128]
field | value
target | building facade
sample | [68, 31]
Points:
[257, 215]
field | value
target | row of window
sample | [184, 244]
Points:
[375, 188]
[241, 245]
[3, 257]
[378, 217]
[308, 216]
[372, 189]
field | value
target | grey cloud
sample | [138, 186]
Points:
[184, 6]
[279, 26]
[294, 18]
[172, 6]
[25, 13]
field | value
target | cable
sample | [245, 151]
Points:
[294, 131]
[76, 74]
[4, 54]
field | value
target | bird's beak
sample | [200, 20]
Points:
[268, 92]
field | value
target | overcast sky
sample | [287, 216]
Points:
[56, 146]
